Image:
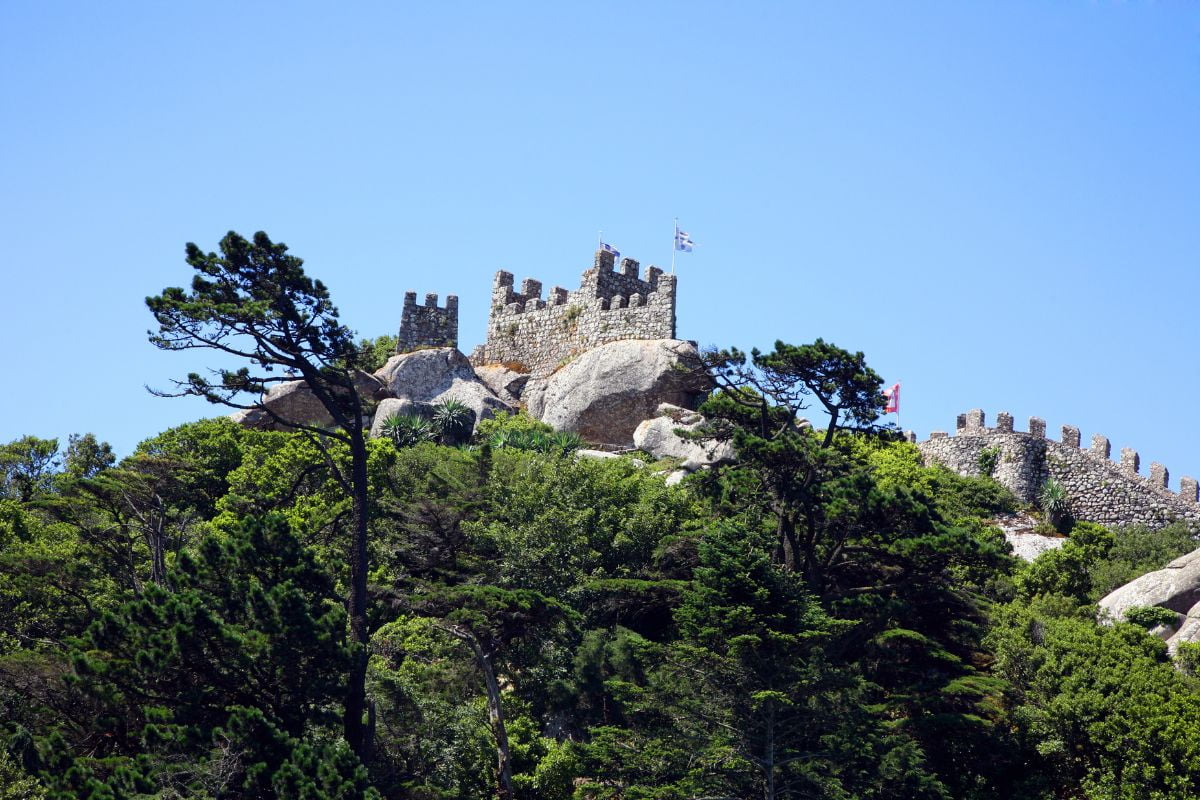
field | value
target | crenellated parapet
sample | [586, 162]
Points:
[427, 325]
[1099, 489]
[539, 334]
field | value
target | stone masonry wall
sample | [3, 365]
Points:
[427, 325]
[537, 336]
[1099, 490]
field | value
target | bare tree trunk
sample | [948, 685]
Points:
[356, 606]
[504, 789]
[496, 717]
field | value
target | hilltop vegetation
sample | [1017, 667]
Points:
[174, 626]
[237, 613]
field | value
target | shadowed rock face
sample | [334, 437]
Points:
[604, 393]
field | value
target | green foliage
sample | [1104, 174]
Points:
[1137, 550]
[1094, 561]
[989, 457]
[27, 467]
[406, 430]
[1187, 658]
[503, 421]
[1054, 501]
[453, 421]
[372, 354]
[86, 456]
[1150, 616]
[234, 663]
[827, 617]
[1104, 712]
[15, 783]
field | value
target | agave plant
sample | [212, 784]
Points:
[1053, 499]
[453, 421]
[565, 442]
[406, 430]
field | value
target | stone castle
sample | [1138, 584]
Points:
[536, 336]
[1099, 489]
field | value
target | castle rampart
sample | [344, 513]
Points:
[1098, 489]
[427, 325]
[538, 335]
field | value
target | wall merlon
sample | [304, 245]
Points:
[1189, 489]
[503, 278]
[1037, 427]
[960, 422]
[531, 288]
[1159, 476]
[630, 267]
[910, 437]
[558, 295]
[1070, 436]
[1004, 422]
[976, 418]
[1130, 461]
[652, 275]
[1101, 447]
[938, 435]
[410, 298]
[604, 261]
[431, 299]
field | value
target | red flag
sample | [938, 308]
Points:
[893, 400]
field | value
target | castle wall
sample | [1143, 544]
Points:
[538, 335]
[1099, 489]
[427, 325]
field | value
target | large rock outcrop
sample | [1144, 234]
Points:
[1175, 587]
[658, 437]
[295, 402]
[604, 393]
[505, 383]
[442, 373]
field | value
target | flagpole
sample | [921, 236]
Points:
[674, 242]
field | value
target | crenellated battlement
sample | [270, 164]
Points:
[427, 325]
[1100, 489]
[612, 303]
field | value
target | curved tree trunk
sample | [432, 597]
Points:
[356, 606]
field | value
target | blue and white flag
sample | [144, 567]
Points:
[682, 240]
[608, 248]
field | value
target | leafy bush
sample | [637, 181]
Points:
[1187, 658]
[1150, 616]
[988, 458]
[504, 422]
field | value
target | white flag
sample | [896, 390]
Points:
[682, 240]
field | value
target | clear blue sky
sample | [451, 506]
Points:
[998, 202]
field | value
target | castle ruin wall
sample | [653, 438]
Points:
[427, 325]
[1098, 489]
[535, 335]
